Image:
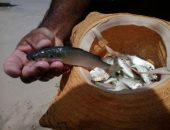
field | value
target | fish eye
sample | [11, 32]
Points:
[51, 56]
[33, 58]
[150, 68]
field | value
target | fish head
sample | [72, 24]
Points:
[36, 55]
[53, 53]
[41, 54]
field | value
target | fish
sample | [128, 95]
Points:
[98, 74]
[161, 71]
[73, 56]
[117, 86]
[147, 78]
[138, 61]
[111, 81]
[131, 83]
[125, 68]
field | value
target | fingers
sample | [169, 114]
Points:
[42, 71]
[58, 42]
[17, 65]
[36, 39]
[13, 68]
[34, 70]
[56, 69]
[44, 43]
[13, 65]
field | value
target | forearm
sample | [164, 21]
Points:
[63, 15]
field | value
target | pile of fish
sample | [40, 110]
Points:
[116, 71]
[133, 75]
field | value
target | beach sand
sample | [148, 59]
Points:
[22, 105]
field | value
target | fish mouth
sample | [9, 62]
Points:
[30, 57]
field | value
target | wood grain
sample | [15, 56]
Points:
[81, 106]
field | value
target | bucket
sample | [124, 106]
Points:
[82, 105]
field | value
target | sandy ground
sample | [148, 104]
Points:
[21, 105]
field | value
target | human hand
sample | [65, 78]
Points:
[17, 65]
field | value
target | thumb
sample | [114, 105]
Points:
[58, 42]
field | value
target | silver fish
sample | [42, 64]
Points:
[147, 78]
[98, 74]
[138, 61]
[125, 68]
[111, 81]
[117, 86]
[73, 56]
[131, 83]
[161, 71]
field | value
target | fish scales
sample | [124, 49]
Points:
[72, 56]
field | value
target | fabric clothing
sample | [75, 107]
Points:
[155, 8]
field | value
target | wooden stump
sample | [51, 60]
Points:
[81, 105]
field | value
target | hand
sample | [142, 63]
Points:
[17, 65]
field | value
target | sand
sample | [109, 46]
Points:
[22, 105]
